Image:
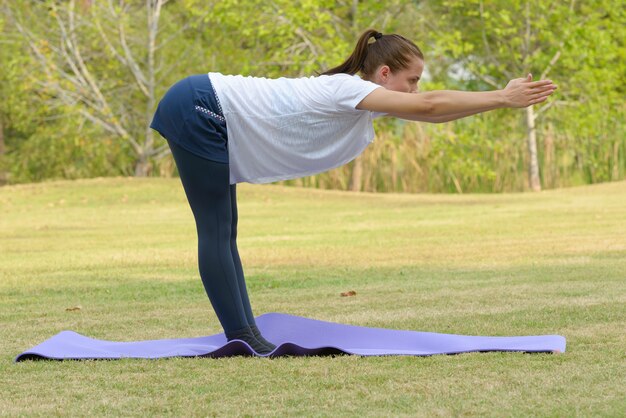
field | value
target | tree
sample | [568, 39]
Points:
[496, 41]
[102, 59]
[14, 100]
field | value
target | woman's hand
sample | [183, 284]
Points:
[523, 92]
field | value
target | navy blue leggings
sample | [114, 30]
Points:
[213, 201]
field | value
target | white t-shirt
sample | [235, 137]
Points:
[285, 128]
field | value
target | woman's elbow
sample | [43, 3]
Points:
[425, 106]
[437, 120]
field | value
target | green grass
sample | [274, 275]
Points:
[512, 264]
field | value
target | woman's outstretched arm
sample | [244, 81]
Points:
[441, 105]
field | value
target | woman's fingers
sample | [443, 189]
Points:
[549, 89]
[538, 98]
[535, 100]
[541, 93]
[542, 89]
[538, 84]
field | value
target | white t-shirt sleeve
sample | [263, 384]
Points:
[348, 91]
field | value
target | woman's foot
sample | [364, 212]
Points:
[246, 334]
[259, 337]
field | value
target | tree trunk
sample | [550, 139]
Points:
[143, 166]
[615, 172]
[533, 166]
[394, 169]
[3, 174]
[357, 174]
[549, 164]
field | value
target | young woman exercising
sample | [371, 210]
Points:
[224, 130]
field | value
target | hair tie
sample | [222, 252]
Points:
[378, 35]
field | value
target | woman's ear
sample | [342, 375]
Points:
[381, 75]
[384, 72]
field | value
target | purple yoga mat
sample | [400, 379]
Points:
[296, 336]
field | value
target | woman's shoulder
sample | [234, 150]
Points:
[349, 81]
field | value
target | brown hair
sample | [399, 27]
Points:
[393, 50]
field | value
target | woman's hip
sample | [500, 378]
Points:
[190, 115]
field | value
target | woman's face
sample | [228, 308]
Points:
[405, 80]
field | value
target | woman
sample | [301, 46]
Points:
[224, 130]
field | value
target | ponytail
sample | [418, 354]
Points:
[393, 50]
[354, 63]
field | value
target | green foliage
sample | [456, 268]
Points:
[469, 45]
[287, 38]
[48, 154]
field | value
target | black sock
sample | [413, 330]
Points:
[259, 337]
[245, 334]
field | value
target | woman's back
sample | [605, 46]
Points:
[292, 127]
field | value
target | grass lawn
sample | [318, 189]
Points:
[124, 250]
